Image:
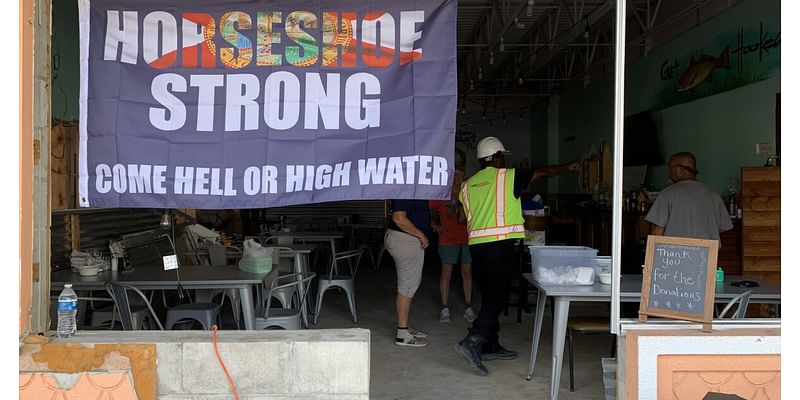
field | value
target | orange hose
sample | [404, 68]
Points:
[219, 358]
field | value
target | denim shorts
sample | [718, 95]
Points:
[452, 254]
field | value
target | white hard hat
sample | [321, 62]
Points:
[490, 146]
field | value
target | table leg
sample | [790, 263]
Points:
[537, 331]
[302, 266]
[248, 309]
[203, 295]
[333, 257]
[561, 312]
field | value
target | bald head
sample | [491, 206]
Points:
[682, 167]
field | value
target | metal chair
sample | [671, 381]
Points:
[285, 266]
[381, 251]
[204, 313]
[344, 281]
[743, 299]
[286, 318]
[588, 326]
[119, 293]
[218, 255]
[110, 315]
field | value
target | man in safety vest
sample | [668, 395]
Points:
[493, 212]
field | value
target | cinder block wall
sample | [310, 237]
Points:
[307, 364]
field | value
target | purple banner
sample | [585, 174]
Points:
[252, 104]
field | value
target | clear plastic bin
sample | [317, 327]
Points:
[563, 265]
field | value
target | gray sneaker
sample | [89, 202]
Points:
[444, 315]
[469, 314]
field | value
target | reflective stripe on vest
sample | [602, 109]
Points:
[493, 212]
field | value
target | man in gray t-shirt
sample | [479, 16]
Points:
[688, 208]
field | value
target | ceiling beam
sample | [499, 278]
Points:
[546, 54]
[494, 39]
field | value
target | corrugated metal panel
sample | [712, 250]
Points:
[97, 227]
[322, 216]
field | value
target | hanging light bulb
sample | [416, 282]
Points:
[471, 85]
[502, 44]
[529, 10]
[166, 219]
[491, 58]
[520, 81]
[480, 73]
[587, 30]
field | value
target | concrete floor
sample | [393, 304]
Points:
[437, 371]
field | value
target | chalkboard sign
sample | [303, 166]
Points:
[678, 279]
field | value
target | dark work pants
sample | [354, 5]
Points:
[493, 268]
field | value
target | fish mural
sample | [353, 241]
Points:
[702, 70]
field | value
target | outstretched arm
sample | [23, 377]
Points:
[554, 170]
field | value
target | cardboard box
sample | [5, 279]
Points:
[537, 223]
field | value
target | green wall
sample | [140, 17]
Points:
[586, 118]
[539, 146]
[65, 67]
[720, 129]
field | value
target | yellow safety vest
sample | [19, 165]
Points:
[493, 212]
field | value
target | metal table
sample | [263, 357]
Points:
[630, 291]
[324, 237]
[190, 277]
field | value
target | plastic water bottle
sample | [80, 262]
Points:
[67, 309]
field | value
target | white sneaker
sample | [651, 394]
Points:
[410, 341]
[469, 314]
[418, 333]
[444, 315]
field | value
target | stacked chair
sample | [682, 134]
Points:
[287, 317]
[342, 280]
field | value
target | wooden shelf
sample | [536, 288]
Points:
[761, 222]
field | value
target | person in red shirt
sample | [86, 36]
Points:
[453, 248]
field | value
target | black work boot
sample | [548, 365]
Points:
[497, 352]
[470, 349]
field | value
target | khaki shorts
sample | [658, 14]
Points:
[409, 258]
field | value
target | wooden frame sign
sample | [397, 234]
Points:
[679, 279]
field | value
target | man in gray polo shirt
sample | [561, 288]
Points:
[688, 208]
